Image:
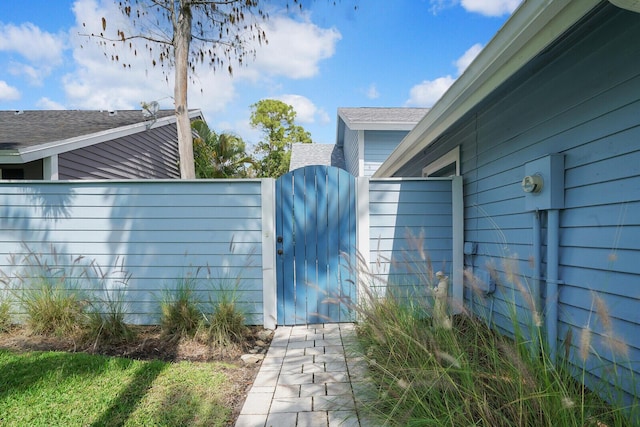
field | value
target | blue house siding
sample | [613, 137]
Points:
[351, 151]
[579, 98]
[378, 145]
[160, 231]
[410, 233]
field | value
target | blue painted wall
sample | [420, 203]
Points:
[351, 151]
[580, 98]
[378, 145]
[410, 233]
[159, 232]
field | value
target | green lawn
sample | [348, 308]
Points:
[78, 389]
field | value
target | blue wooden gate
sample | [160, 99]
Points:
[316, 244]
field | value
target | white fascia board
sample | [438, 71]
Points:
[382, 126]
[533, 27]
[375, 125]
[29, 154]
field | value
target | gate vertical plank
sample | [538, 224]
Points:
[279, 257]
[299, 250]
[286, 290]
[323, 232]
[311, 238]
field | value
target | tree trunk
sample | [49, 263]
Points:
[181, 42]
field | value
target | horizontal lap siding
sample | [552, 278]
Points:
[580, 99]
[410, 232]
[160, 232]
[135, 156]
[378, 145]
[351, 153]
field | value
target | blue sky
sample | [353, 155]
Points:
[325, 58]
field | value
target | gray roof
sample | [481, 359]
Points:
[316, 154]
[28, 128]
[364, 115]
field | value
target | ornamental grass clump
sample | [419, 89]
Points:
[107, 315]
[5, 315]
[426, 372]
[224, 318]
[180, 313]
[49, 291]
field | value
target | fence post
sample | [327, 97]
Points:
[363, 231]
[457, 269]
[269, 279]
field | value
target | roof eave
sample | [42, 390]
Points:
[375, 124]
[382, 125]
[533, 27]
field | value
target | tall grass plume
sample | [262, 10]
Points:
[424, 374]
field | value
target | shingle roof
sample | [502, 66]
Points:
[28, 128]
[316, 154]
[382, 115]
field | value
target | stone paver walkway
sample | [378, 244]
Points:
[306, 379]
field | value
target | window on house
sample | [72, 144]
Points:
[447, 165]
[12, 173]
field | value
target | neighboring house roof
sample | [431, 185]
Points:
[532, 28]
[372, 118]
[30, 135]
[316, 154]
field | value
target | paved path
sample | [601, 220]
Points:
[306, 379]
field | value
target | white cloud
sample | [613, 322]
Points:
[306, 111]
[31, 42]
[294, 51]
[372, 92]
[100, 83]
[491, 7]
[483, 7]
[467, 58]
[35, 75]
[428, 92]
[294, 48]
[48, 104]
[39, 50]
[8, 93]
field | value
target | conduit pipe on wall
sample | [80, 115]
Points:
[537, 261]
[553, 259]
[543, 185]
[535, 280]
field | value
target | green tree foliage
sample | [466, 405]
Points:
[218, 155]
[276, 120]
